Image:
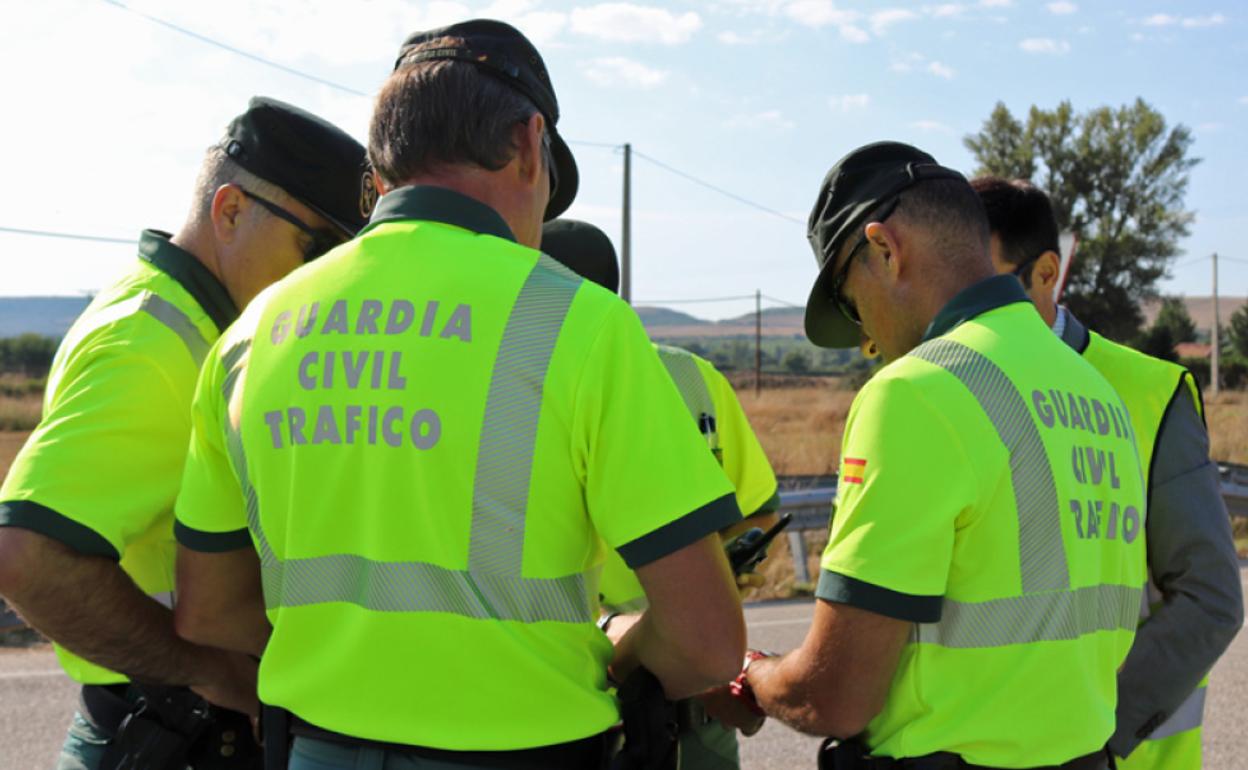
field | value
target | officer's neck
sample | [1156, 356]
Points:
[503, 190]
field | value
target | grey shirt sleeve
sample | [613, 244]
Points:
[1192, 560]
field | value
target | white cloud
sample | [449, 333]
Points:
[931, 127]
[996, 3]
[772, 119]
[819, 13]
[1044, 45]
[620, 71]
[732, 38]
[1243, 100]
[1188, 22]
[1212, 127]
[630, 23]
[882, 20]
[854, 34]
[941, 70]
[947, 10]
[1062, 8]
[907, 64]
[849, 102]
[1212, 20]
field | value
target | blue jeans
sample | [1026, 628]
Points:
[84, 746]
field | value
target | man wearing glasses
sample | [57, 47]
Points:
[985, 560]
[86, 512]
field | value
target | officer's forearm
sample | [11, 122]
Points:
[92, 608]
[220, 601]
[784, 691]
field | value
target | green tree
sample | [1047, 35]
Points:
[1117, 177]
[1238, 335]
[1174, 316]
[1157, 342]
[796, 362]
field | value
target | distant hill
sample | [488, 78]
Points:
[1200, 309]
[48, 316]
[52, 316]
[655, 317]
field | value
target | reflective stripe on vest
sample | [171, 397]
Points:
[492, 586]
[689, 381]
[1186, 717]
[168, 314]
[1048, 609]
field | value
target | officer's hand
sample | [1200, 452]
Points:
[231, 682]
[749, 581]
[721, 704]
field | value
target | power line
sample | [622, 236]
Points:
[238, 51]
[715, 188]
[696, 301]
[784, 302]
[68, 236]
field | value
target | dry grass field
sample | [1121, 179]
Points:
[800, 429]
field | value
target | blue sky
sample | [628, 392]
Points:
[107, 114]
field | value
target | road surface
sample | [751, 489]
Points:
[36, 701]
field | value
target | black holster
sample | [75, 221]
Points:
[651, 726]
[172, 728]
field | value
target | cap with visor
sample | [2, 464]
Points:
[314, 161]
[856, 185]
[584, 249]
[503, 52]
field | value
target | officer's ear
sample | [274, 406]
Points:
[527, 138]
[228, 203]
[1046, 271]
[884, 240]
[380, 186]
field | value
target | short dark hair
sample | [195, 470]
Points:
[217, 170]
[950, 212]
[436, 113]
[1021, 216]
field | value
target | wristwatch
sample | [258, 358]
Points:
[740, 687]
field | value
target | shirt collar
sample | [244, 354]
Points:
[183, 267]
[988, 294]
[439, 204]
[1073, 332]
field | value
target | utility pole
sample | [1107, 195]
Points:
[758, 342]
[626, 271]
[1214, 378]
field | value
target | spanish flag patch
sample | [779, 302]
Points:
[855, 468]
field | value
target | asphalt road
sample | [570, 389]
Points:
[36, 702]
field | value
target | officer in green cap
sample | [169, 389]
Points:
[985, 562]
[410, 457]
[713, 405]
[1195, 603]
[86, 512]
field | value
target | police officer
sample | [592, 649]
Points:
[985, 560]
[704, 742]
[1195, 604]
[86, 518]
[414, 449]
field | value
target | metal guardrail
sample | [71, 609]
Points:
[809, 499]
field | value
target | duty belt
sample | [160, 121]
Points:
[591, 752]
[852, 755]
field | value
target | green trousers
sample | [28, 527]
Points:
[84, 746]
[707, 744]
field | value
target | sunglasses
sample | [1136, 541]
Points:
[321, 240]
[843, 303]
